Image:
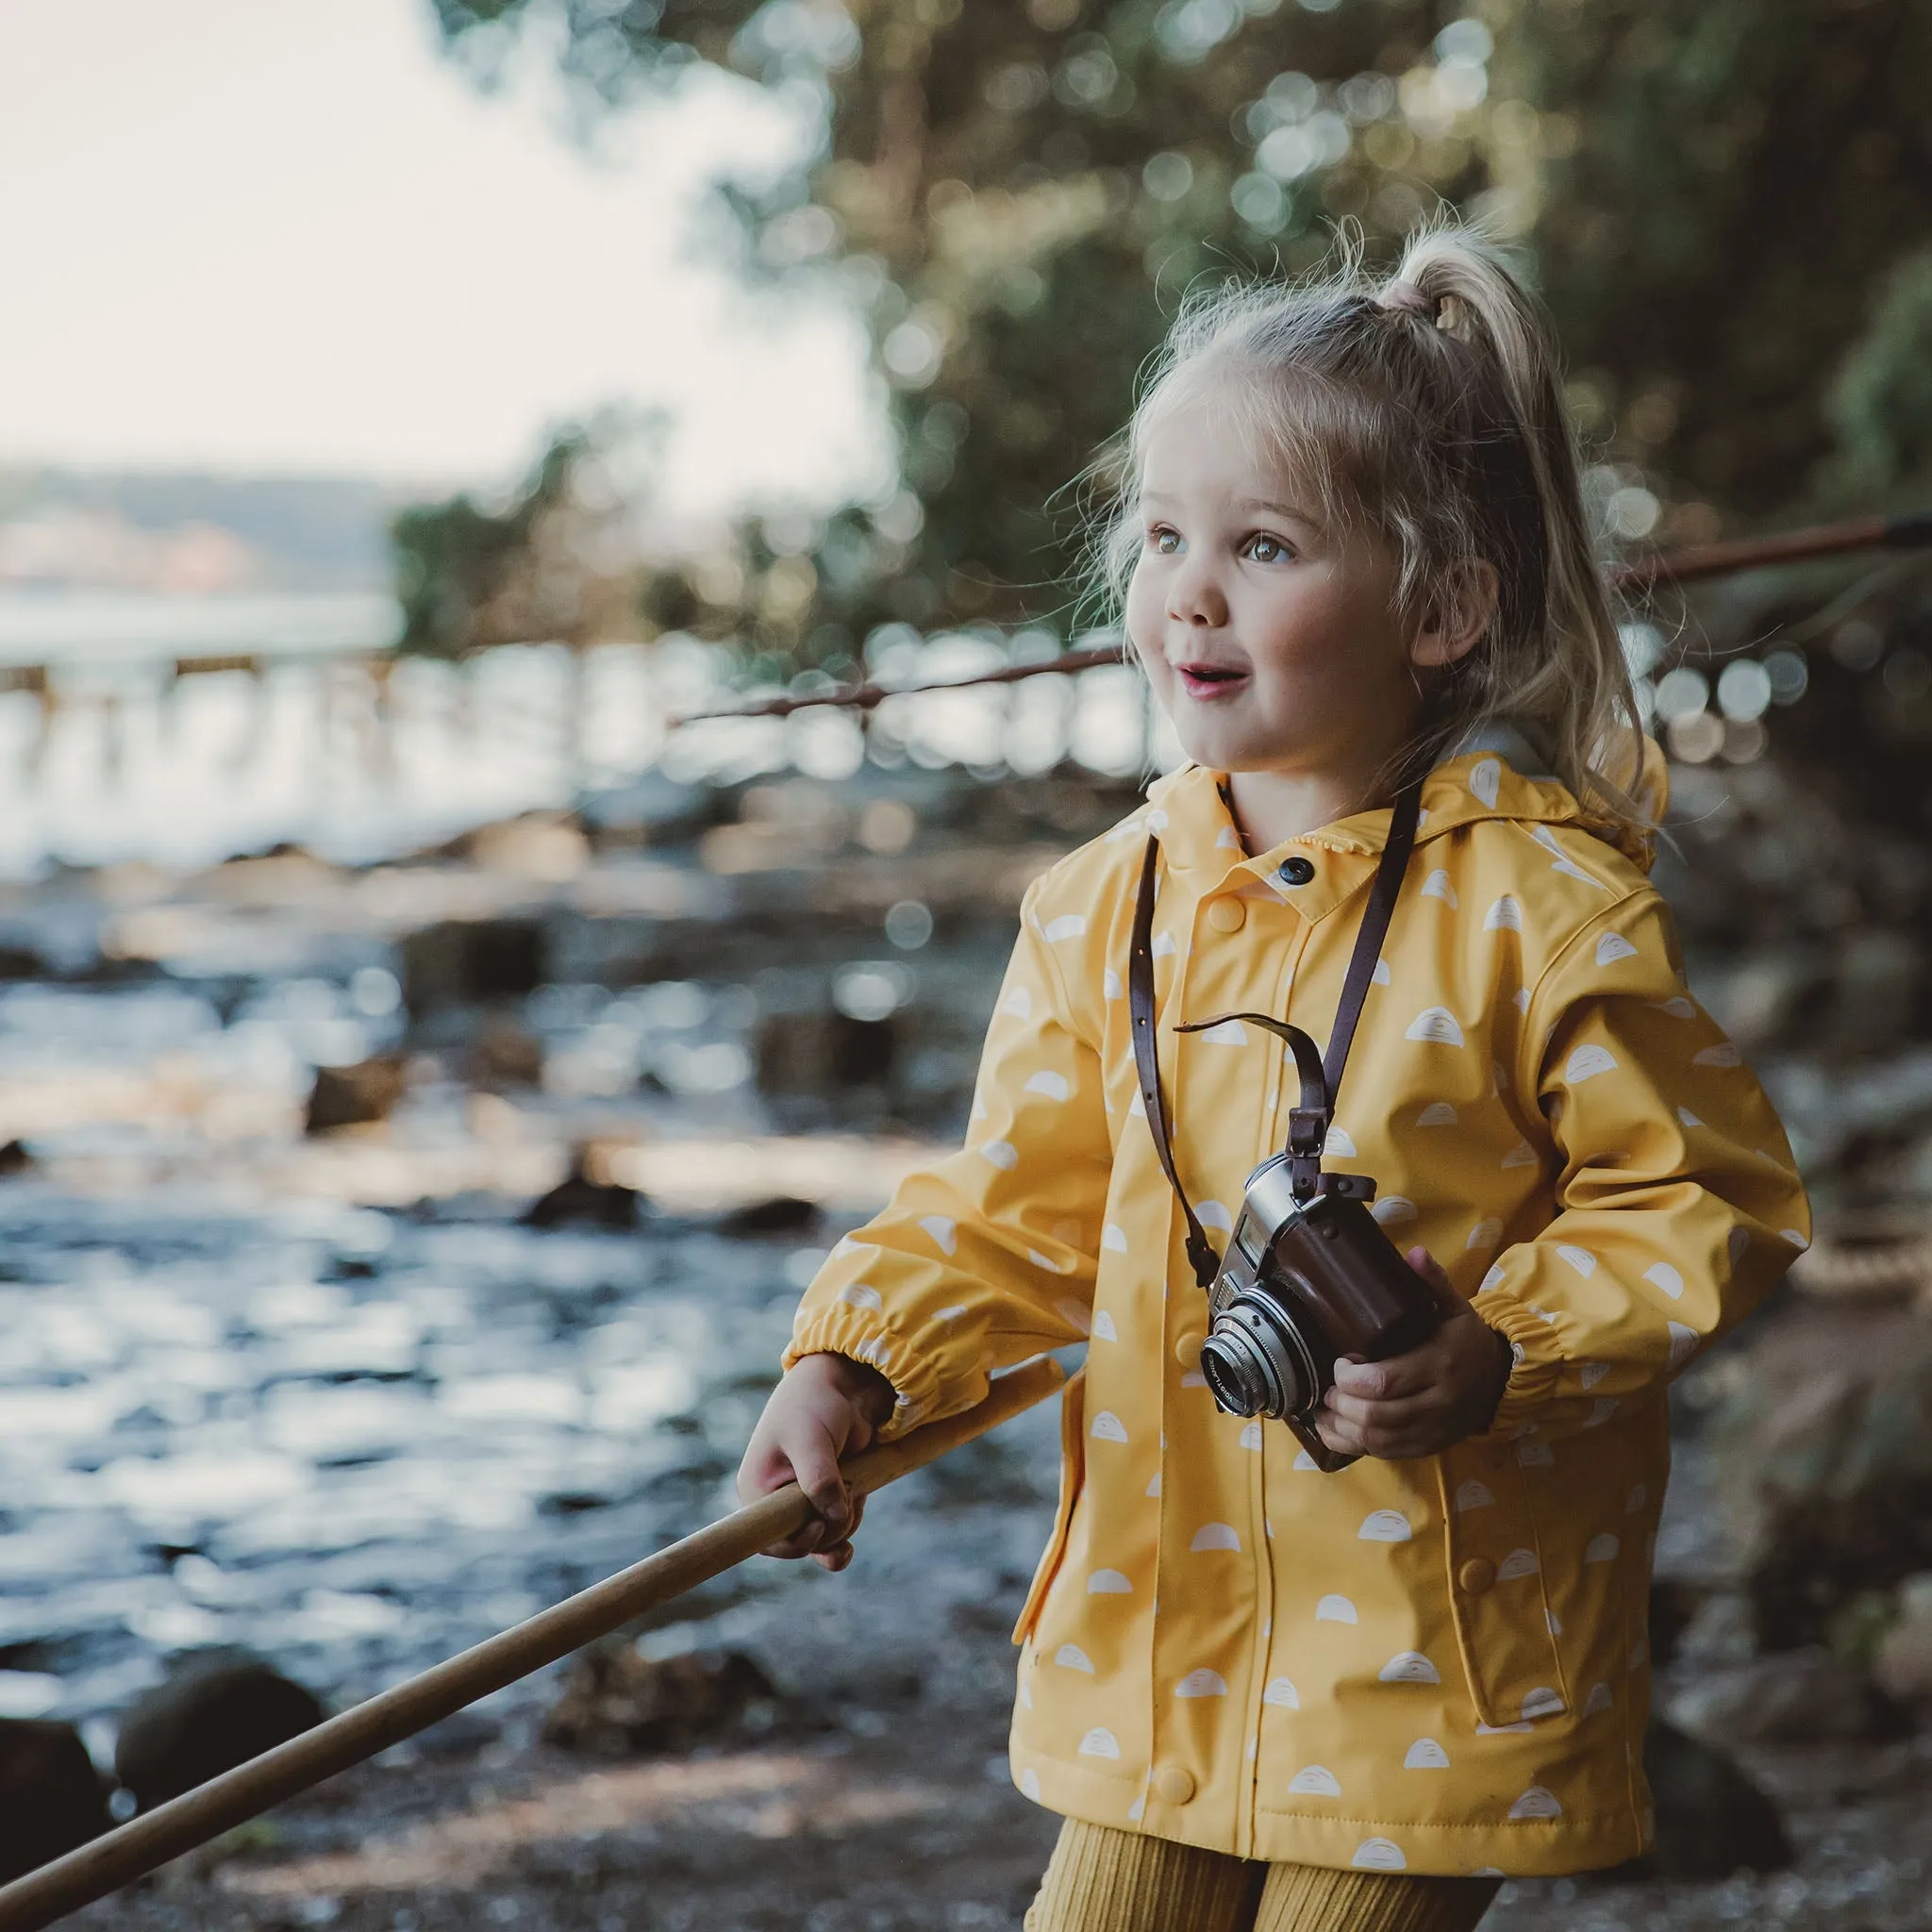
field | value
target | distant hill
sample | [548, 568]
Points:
[156, 532]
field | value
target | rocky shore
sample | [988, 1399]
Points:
[389, 1250]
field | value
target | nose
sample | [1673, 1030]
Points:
[1194, 596]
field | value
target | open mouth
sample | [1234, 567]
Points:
[1210, 680]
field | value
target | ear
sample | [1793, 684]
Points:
[1458, 610]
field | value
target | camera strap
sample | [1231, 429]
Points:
[1321, 1078]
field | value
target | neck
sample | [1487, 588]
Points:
[1271, 807]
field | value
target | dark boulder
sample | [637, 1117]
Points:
[616, 1704]
[581, 1201]
[816, 1053]
[51, 1798]
[778, 1214]
[217, 1710]
[1711, 1820]
[1824, 1459]
[355, 1096]
[463, 962]
[1787, 1697]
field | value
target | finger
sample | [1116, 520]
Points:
[1340, 1435]
[816, 1470]
[835, 1559]
[1396, 1375]
[1401, 1413]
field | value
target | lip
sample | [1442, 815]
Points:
[1206, 681]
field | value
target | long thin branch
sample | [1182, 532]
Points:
[1675, 567]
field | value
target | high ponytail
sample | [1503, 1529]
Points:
[1430, 405]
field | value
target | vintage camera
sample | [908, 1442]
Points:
[1303, 1282]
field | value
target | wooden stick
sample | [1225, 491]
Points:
[1671, 566]
[111, 1861]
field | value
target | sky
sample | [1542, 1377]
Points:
[262, 235]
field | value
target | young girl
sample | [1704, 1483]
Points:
[1353, 554]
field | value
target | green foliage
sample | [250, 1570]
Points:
[457, 565]
[1881, 403]
[1711, 194]
[1733, 187]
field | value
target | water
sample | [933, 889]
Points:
[121, 759]
[353, 1440]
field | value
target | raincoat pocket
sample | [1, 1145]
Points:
[1497, 1593]
[1073, 1472]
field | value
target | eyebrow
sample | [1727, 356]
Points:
[1260, 502]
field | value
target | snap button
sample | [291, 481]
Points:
[1476, 1576]
[1228, 915]
[1296, 872]
[1187, 1347]
[1174, 1784]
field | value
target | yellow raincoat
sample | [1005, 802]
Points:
[1430, 1666]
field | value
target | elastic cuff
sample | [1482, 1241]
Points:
[1533, 1380]
[840, 1331]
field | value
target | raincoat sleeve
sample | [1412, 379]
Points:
[988, 1257]
[1677, 1197]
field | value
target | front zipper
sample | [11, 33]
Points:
[1247, 1825]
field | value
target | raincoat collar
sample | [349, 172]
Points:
[1497, 772]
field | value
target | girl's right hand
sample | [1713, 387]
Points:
[826, 1407]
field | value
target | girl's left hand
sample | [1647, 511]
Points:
[1419, 1403]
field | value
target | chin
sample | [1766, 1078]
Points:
[1220, 751]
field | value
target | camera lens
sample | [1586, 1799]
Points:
[1229, 1369]
[1254, 1360]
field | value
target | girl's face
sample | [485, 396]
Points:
[1271, 638]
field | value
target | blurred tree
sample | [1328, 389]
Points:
[1714, 195]
[557, 562]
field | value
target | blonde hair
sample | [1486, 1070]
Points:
[1430, 406]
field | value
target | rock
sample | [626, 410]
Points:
[356, 1095]
[462, 962]
[1903, 1667]
[616, 1703]
[14, 1158]
[1721, 1630]
[581, 1201]
[1790, 1697]
[815, 1052]
[217, 1710]
[1710, 1817]
[779, 1214]
[505, 1053]
[1674, 1604]
[1824, 1453]
[51, 1798]
[544, 847]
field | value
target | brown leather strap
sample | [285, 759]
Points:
[1308, 1124]
[1201, 1255]
[1374, 928]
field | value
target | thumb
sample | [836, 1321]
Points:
[1438, 1283]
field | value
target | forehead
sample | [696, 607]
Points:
[1210, 436]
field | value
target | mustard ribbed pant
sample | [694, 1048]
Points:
[1100, 1880]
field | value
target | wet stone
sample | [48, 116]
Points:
[215, 1711]
[50, 1797]
[616, 1703]
[356, 1095]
